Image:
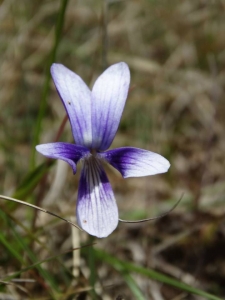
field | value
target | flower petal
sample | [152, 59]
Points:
[97, 211]
[76, 98]
[108, 99]
[70, 153]
[135, 162]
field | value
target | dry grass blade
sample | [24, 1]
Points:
[15, 285]
[42, 261]
[39, 208]
[154, 218]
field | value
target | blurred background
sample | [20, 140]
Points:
[176, 107]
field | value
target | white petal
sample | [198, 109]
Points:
[109, 95]
[97, 211]
[76, 98]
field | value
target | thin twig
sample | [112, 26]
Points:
[61, 128]
[15, 285]
[39, 208]
[153, 218]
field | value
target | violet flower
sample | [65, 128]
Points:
[94, 117]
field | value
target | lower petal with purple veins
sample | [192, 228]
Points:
[97, 211]
[135, 162]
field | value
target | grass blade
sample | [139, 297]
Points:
[123, 266]
[10, 248]
[39, 208]
[133, 286]
[31, 180]
[43, 104]
[16, 274]
[21, 244]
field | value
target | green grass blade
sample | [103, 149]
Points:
[10, 248]
[64, 272]
[13, 249]
[123, 266]
[46, 88]
[31, 181]
[45, 274]
[92, 268]
[19, 244]
[16, 274]
[133, 286]
[23, 244]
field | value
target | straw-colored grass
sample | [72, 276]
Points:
[176, 106]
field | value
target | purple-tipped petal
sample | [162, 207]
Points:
[97, 211]
[70, 153]
[76, 98]
[135, 162]
[108, 99]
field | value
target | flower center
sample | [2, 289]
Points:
[92, 160]
[93, 152]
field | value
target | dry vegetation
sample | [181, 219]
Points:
[176, 107]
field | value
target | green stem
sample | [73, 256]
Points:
[92, 268]
[46, 88]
